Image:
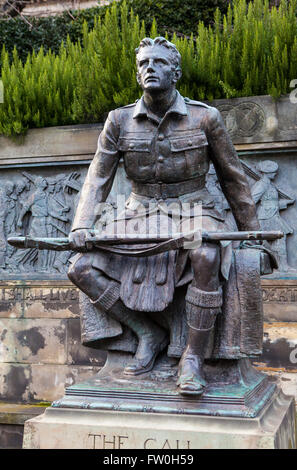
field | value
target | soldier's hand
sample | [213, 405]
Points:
[251, 243]
[79, 237]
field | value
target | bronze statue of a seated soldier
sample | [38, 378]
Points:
[167, 143]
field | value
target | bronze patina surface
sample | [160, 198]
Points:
[200, 302]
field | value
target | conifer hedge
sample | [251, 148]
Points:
[250, 51]
[180, 16]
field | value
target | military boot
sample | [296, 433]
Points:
[152, 339]
[201, 310]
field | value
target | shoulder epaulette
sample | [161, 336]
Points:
[196, 103]
[129, 105]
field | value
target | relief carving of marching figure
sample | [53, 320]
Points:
[38, 207]
[270, 201]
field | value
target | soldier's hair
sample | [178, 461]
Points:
[160, 41]
[39, 180]
[9, 185]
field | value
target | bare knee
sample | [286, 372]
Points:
[206, 256]
[206, 263]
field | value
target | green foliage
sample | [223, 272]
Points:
[179, 16]
[47, 32]
[249, 51]
[106, 68]
[38, 93]
[171, 15]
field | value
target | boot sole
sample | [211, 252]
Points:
[190, 392]
[151, 363]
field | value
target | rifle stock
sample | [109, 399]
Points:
[97, 242]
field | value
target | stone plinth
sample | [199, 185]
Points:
[62, 428]
[40, 347]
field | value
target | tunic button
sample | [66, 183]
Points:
[161, 159]
[161, 137]
[190, 143]
[131, 146]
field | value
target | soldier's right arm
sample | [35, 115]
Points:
[26, 206]
[257, 191]
[98, 181]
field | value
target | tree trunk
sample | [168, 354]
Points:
[12, 7]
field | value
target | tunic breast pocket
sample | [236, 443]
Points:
[191, 150]
[137, 155]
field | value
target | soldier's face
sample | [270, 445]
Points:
[9, 189]
[155, 71]
[271, 175]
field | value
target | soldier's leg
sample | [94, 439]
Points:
[105, 293]
[203, 303]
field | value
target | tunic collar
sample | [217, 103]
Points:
[178, 107]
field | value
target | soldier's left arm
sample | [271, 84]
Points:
[100, 176]
[230, 172]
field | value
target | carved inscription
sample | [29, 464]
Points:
[279, 294]
[104, 441]
[30, 294]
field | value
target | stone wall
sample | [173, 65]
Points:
[40, 349]
[41, 8]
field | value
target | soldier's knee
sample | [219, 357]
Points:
[79, 270]
[206, 257]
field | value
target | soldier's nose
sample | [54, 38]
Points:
[150, 66]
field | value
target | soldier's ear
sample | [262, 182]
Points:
[177, 75]
[138, 78]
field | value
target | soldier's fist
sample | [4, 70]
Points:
[79, 237]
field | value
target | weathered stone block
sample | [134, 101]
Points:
[12, 419]
[15, 382]
[11, 436]
[258, 119]
[29, 383]
[38, 299]
[76, 352]
[33, 341]
[48, 382]
[280, 300]
[51, 144]
[287, 380]
[280, 346]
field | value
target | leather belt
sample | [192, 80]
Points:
[167, 190]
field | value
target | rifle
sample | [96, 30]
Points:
[155, 244]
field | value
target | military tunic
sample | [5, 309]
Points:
[166, 161]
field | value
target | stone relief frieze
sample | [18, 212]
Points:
[36, 206]
[44, 206]
[271, 202]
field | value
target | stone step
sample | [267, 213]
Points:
[12, 419]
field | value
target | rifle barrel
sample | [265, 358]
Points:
[63, 244]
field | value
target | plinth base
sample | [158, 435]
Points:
[65, 428]
[234, 388]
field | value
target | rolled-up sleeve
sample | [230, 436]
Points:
[100, 175]
[230, 172]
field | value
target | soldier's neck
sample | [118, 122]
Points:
[159, 103]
